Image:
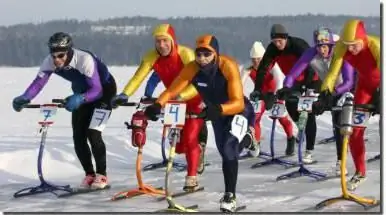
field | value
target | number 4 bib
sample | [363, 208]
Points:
[239, 127]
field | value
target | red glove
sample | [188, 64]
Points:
[138, 126]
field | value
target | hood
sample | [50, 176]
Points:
[168, 31]
[257, 50]
[353, 32]
[208, 41]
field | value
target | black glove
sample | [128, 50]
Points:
[211, 112]
[324, 102]
[255, 95]
[153, 111]
[376, 101]
[269, 100]
[282, 94]
[145, 99]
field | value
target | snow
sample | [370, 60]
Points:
[256, 188]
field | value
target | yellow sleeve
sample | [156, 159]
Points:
[375, 48]
[231, 73]
[143, 70]
[180, 83]
[335, 68]
[187, 55]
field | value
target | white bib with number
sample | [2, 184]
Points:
[360, 118]
[174, 114]
[305, 103]
[99, 119]
[278, 110]
[239, 127]
[257, 106]
[48, 111]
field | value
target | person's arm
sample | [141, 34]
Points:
[334, 69]
[187, 56]
[348, 79]
[278, 76]
[180, 83]
[299, 46]
[375, 48]
[87, 66]
[299, 67]
[235, 104]
[265, 65]
[152, 84]
[143, 70]
[45, 71]
[245, 75]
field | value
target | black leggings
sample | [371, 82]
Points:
[311, 121]
[310, 126]
[81, 119]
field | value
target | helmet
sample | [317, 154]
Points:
[60, 42]
[323, 36]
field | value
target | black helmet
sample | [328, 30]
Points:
[60, 41]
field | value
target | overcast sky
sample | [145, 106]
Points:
[23, 11]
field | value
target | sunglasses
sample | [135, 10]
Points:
[205, 54]
[60, 55]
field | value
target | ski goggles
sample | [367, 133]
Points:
[203, 53]
[58, 55]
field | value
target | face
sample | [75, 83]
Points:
[59, 58]
[255, 62]
[203, 58]
[323, 50]
[163, 45]
[355, 48]
[279, 43]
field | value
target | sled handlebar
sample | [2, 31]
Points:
[43, 105]
[368, 107]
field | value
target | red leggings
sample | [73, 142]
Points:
[189, 144]
[285, 122]
[363, 95]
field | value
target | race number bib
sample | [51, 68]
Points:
[239, 127]
[360, 118]
[48, 111]
[278, 110]
[305, 103]
[174, 114]
[99, 119]
[257, 106]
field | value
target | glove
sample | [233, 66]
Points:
[118, 100]
[254, 96]
[324, 102]
[19, 102]
[211, 112]
[282, 94]
[376, 102]
[73, 102]
[152, 111]
[269, 100]
[145, 99]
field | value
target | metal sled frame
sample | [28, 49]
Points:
[367, 203]
[302, 171]
[178, 166]
[142, 189]
[271, 157]
[172, 206]
[44, 185]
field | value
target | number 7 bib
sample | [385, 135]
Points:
[99, 119]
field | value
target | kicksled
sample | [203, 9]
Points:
[48, 111]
